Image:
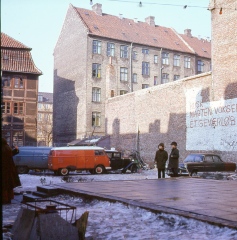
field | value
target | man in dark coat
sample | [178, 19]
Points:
[160, 160]
[10, 178]
[174, 159]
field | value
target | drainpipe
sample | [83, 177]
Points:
[131, 73]
[161, 67]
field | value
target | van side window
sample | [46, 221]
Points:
[99, 153]
[117, 155]
[208, 159]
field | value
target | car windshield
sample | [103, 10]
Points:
[217, 159]
[193, 158]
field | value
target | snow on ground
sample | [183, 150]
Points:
[117, 221]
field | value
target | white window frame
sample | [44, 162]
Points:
[96, 70]
[96, 47]
[96, 94]
[176, 60]
[165, 58]
[123, 74]
[124, 51]
[96, 119]
[146, 68]
[187, 62]
[110, 49]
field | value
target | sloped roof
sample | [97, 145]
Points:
[202, 47]
[128, 30]
[9, 42]
[16, 57]
[47, 97]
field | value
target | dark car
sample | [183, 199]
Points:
[31, 158]
[207, 162]
[117, 162]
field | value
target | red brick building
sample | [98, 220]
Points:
[19, 92]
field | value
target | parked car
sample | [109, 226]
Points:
[62, 160]
[31, 158]
[117, 162]
[207, 162]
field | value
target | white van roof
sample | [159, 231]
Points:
[78, 148]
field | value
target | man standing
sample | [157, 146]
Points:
[160, 160]
[174, 159]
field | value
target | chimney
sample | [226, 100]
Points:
[188, 33]
[150, 20]
[97, 8]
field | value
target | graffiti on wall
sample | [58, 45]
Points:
[210, 125]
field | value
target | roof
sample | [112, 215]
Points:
[201, 47]
[128, 30]
[78, 148]
[16, 57]
[47, 97]
[9, 42]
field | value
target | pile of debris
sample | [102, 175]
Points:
[45, 222]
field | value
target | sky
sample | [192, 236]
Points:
[37, 23]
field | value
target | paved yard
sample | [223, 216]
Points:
[207, 200]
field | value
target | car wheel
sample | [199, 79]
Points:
[99, 169]
[22, 169]
[194, 173]
[92, 171]
[133, 168]
[63, 171]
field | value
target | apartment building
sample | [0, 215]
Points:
[98, 56]
[19, 93]
[45, 119]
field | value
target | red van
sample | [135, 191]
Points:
[62, 160]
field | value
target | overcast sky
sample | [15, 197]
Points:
[37, 23]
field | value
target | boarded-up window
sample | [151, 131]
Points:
[19, 93]
[31, 84]
[31, 108]
[31, 94]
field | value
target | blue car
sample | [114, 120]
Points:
[31, 158]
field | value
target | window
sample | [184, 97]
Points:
[176, 60]
[145, 86]
[187, 62]
[155, 59]
[6, 81]
[17, 138]
[145, 51]
[112, 93]
[134, 55]
[39, 105]
[110, 49]
[165, 58]
[155, 80]
[123, 74]
[122, 92]
[96, 92]
[18, 82]
[124, 51]
[6, 107]
[96, 70]
[134, 78]
[95, 119]
[216, 159]
[165, 78]
[18, 108]
[96, 49]
[200, 66]
[208, 159]
[176, 77]
[146, 68]
[40, 98]
[39, 116]
[99, 153]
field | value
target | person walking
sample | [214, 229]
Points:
[160, 159]
[174, 159]
[10, 178]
